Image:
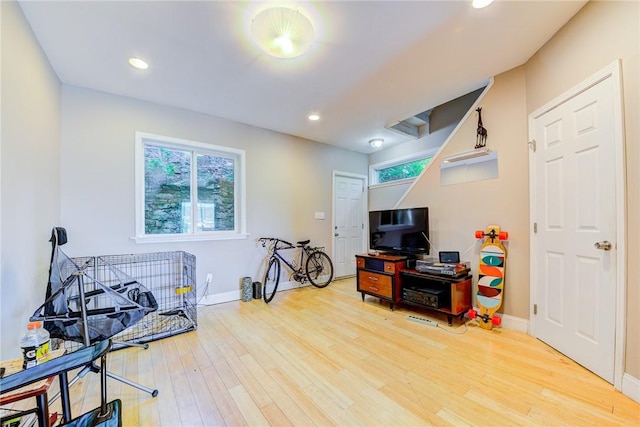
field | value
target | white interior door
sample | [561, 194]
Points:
[575, 210]
[348, 216]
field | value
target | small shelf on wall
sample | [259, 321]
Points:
[466, 155]
[469, 166]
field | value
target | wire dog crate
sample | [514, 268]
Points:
[171, 278]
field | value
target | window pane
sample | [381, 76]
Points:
[167, 192]
[403, 171]
[187, 190]
[216, 193]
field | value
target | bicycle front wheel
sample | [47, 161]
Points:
[271, 279]
[319, 269]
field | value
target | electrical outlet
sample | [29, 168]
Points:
[209, 277]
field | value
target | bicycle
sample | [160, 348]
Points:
[318, 268]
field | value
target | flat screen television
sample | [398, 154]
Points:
[403, 231]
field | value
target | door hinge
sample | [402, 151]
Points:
[532, 145]
[535, 227]
[535, 308]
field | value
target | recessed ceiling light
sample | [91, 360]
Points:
[314, 117]
[479, 4]
[138, 63]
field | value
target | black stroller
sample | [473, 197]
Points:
[81, 308]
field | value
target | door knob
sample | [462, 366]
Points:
[605, 245]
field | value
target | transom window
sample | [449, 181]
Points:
[188, 190]
[400, 170]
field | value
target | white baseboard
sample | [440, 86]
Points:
[220, 298]
[631, 387]
[516, 323]
[511, 322]
[237, 295]
[291, 285]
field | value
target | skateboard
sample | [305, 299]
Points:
[491, 270]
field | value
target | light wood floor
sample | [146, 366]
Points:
[324, 357]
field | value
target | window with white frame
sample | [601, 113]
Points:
[188, 190]
[400, 170]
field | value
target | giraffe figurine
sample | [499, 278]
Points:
[481, 133]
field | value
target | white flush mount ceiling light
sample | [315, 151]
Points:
[138, 63]
[282, 32]
[479, 4]
[376, 143]
[466, 155]
[314, 117]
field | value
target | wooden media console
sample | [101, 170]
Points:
[387, 277]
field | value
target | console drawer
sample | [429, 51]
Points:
[375, 283]
[390, 267]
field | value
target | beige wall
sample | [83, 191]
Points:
[288, 180]
[456, 211]
[602, 32]
[30, 174]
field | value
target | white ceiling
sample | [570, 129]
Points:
[374, 62]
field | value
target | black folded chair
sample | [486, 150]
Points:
[108, 414]
[81, 308]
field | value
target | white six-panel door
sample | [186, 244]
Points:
[348, 217]
[576, 239]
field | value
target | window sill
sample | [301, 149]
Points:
[392, 183]
[188, 238]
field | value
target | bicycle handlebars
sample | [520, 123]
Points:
[275, 241]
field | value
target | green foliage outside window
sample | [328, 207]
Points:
[402, 171]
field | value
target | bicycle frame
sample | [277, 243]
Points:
[298, 273]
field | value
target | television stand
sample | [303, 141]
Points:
[387, 277]
[379, 276]
[449, 295]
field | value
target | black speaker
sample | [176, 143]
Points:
[257, 290]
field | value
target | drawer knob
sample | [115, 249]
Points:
[373, 278]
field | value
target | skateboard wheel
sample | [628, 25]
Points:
[479, 234]
[503, 235]
[472, 314]
[496, 320]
